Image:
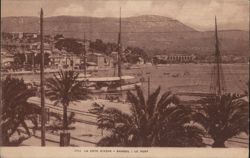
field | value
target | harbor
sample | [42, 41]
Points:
[149, 81]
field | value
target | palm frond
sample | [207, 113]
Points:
[224, 117]
[152, 100]
[140, 96]
[16, 109]
[162, 123]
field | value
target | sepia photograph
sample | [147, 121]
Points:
[133, 75]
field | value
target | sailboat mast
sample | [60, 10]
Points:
[217, 86]
[218, 59]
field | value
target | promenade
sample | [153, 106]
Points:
[86, 133]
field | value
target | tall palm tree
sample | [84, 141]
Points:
[15, 108]
[65, 88]
[154, 122]
[223, 117]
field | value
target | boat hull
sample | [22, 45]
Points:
[126, 87]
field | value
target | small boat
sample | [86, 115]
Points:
[110, 84]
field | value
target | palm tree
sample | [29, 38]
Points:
[223, 117]
[65, 88]
[16, 109]
[150, 123]
[57, 123]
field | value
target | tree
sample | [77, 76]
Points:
[19, 59]
[16, 109]
[57, 124]
[111, 47]
[98, 46]
[151, 123]
[223, 117]
[133, 54]
[70, 45]
[65, 88]
[37, 59]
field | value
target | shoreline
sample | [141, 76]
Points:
[133, 67]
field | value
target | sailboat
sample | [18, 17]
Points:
[112, 84]
[217, 86]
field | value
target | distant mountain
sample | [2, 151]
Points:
[147, 31]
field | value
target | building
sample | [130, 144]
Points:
[167, 59]
[47, 48]
[6, 59]
[99, 60]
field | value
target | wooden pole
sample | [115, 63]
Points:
[119, 47]
[85, 57]
[42, 82]
[120, 53]
[33, 62]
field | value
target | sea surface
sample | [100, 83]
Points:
[177, 77]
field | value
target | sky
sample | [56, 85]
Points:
[199, 14]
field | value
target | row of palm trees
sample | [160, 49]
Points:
[166, 122]
[63, 88]
[155, 121]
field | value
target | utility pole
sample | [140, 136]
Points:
[119, 52]
[85, 67]
[42, 82]
[33, 62]
[249, 23]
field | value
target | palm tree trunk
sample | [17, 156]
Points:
[219, 143]
[65, 119]
[153, 143]
[4, 140]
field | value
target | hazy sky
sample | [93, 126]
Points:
[231, 14]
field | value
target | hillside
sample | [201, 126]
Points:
[147, 31]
